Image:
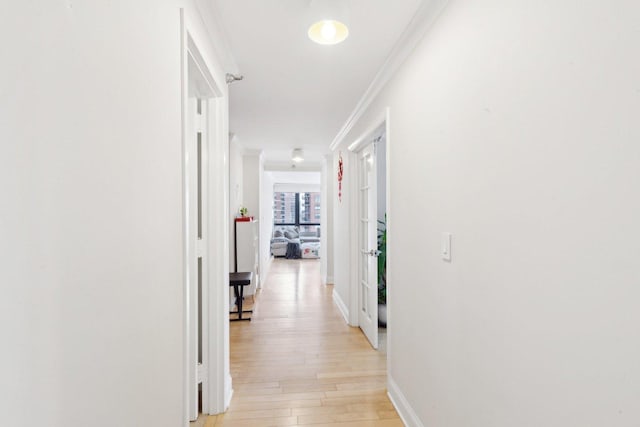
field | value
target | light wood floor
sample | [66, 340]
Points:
[298, 363]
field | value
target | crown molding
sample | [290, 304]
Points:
[422, 21]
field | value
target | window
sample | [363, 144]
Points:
[284, 208]
[301, 209]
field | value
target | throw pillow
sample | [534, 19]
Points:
[290, 235]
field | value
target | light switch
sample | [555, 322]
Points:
[446, 246]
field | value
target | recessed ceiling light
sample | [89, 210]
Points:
[328, 20]
[328, 31]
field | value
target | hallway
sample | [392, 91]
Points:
[298, 363]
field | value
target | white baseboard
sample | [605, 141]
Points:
[406, 412]
[341, 306]
[266, 267]
[228, 392]
[327, 280]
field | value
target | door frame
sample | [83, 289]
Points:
[354, 207]
[215, 290]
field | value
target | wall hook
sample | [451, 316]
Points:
[232, 78]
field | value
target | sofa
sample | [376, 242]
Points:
[288, 241]
[282, 235]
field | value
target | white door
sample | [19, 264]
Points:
[196, 168]
[368, 245]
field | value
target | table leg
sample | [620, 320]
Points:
[235, 293]
[239, 300]
[239, 304]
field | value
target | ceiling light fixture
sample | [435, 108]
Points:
[328, 19]
[297, 155]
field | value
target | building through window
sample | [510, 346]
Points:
[299, 209]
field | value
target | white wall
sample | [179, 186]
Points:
[323, 222]
[251, 170]
[342, 234]
[91, 294]
[326, 213]
[266, 223]
[298, 182]
[514, 126]
[330, 200]
[235, 192]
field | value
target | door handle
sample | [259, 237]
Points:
[374, 252]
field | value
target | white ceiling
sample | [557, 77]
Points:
[295, 93]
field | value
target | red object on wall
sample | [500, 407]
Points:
[340, 173]
[244, 218]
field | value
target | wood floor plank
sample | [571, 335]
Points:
[262, 413]
[298, 364]
[240, 405]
